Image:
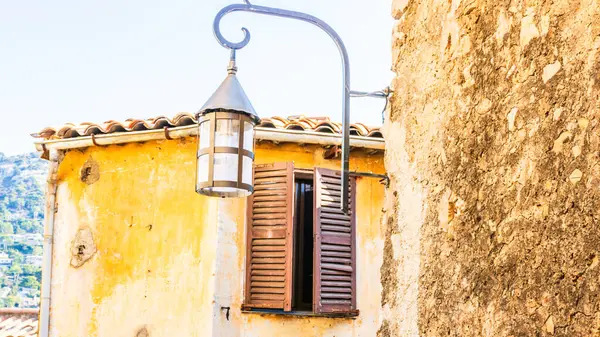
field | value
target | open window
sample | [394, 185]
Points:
[302, 285]
[301, 248]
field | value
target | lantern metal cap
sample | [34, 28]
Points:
[230, 96]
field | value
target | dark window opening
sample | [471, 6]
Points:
[302, 288]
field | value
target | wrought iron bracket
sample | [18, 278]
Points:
[383, 178]
[347, 93]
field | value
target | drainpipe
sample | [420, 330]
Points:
[44, 326]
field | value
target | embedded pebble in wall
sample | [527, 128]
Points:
[528, 29]
[559, 142]
[511, 118]
[575, 176]
[550, 70]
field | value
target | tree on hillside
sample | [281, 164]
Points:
[16, 256]
[6, 227]
[9, 302]
[37, 250]
[30, 282]
[15, 269]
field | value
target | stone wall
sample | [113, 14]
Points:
[493, 215]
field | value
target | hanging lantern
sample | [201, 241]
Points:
[226, 141]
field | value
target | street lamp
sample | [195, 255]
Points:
[226, 140]
[225, 99]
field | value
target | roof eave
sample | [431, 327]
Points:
[262, 133]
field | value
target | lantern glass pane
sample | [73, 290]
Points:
[204, 130]
[248, 136]
[226, 167]
[247, 173]
[202, 168]
[227, 133]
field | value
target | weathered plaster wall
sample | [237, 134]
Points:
[139, 253]
[493, 146]
[155, 244]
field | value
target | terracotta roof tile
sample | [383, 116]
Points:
[18, 322]
[299, 123]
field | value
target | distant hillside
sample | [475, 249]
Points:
[21, 226]
[21, 193]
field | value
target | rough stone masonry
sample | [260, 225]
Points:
[493, 148]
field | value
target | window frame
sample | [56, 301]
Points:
[287, 310]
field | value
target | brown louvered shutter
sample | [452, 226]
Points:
[335, 246]
[269, 238]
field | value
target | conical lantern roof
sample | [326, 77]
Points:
[230, 96]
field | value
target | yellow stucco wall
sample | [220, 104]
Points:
[167, 258]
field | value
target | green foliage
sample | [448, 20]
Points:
[30, 282]
[9, 301]
[31, 270]
[7, 240]
[21, 248]
[37, 250]
[27, 226]
[15, 269]
[16, 255]
[6, 227]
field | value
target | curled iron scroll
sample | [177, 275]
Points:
[247, 6]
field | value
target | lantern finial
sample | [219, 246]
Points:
[232, 68]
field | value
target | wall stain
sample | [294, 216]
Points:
[90, 172]
[83, 247]
[143, 332]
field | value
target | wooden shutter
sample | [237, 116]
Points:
[269, 238]
[335, 246]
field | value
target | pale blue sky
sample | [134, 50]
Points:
[92, 61]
